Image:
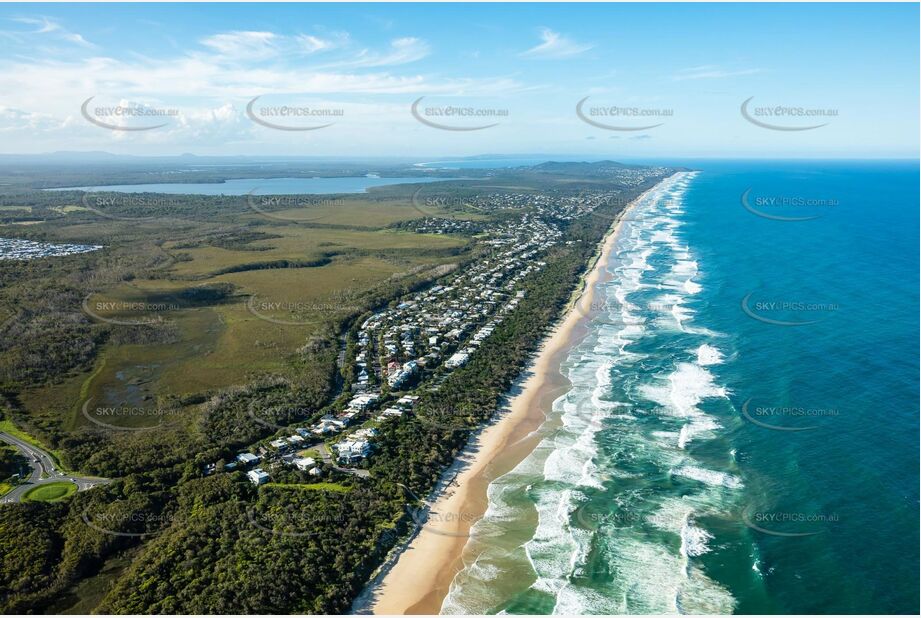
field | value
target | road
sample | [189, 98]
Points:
[43, 470]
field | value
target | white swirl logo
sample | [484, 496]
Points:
[292, 521]
[588, 116]
[443, 523]
[116, 306]
[451, 111]
[783, 111]
[773, 201]
[103, 523]
[289, 202]
[124, 412]
[760, 520]
[287, 111]
[755, 310]
[440, 206]
[91, 201]
[316, 309]
[292, 414]
[746, 412]
[120, 111]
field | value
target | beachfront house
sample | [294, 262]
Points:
[295, 441]
[258, 476]
[457, 360]
[390, 413]
[352, 451]
[304, 463]
[247, 459]
[279, 445]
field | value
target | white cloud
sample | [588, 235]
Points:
[555, 45]
[57, 86]
[310, 43]
[211, 84]
[256, 46]
[710, 71]
[242, 43]
[401, 51]
[47, 26]
[16, 119]
[313, 44]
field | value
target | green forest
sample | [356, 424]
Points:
[163, 537]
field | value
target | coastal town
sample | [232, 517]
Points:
[20, 249]
[416, 342]
[412, 345]
[411, 367]
[459, 309]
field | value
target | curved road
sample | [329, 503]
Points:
[43, 470]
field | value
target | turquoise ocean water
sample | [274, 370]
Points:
[742, 431]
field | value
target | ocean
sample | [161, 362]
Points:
[742, 431]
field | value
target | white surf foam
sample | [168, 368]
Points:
[647, 576]
[694, 540]
[684, 389]
[709, 477]
[708, 355]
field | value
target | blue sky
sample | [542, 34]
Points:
[686, 68]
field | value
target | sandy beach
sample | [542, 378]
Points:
[418, 579]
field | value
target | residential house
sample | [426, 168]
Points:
[258, 476]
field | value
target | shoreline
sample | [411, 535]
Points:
[432, 556]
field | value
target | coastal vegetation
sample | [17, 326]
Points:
[199, 317]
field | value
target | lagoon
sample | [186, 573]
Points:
[260, 186]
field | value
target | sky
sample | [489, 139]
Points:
[664, 80]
